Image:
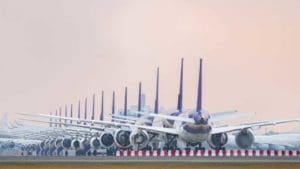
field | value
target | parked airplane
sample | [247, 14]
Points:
[193, 127]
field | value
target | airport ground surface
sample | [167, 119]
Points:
[143, 165]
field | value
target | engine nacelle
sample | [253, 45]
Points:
[75, 144]
[52, 144]
[122, 138]
[43, 144]
[95, 142]
[58, 142]
[107, 140]
[139, 139]
[67, 143]
[85, 144]
[244, 139]
[217, 141]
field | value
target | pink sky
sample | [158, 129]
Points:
[57, 52]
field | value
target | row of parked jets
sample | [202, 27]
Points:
[140, 127]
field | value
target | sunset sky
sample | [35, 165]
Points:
[55, 52]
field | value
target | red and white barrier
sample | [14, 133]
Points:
[208, 153]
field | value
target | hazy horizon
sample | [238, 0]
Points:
[55, 53]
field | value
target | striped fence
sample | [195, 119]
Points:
[209, 153]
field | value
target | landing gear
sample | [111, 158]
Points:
[171, 142]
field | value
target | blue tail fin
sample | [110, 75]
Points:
[66, 114]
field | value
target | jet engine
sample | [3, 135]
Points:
[217, 141]
[121, 138]
[67, 143]
[52, 144]
[139, 139]
[58, 142]
[107, 140]
[75, 143]
[42, 144]
[85, 144]
[244, 139]
[95, 142]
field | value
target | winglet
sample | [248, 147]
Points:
[180, 94]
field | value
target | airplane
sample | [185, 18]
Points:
[193, 127]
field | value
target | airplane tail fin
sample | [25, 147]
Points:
[199, 97]
[157, 93]
[78, 115]
[85, 110]
[93, 108]
[140, 97]
[180, 94]
[125, 102]
[71, 113]
[66, 114]
[113, 105]
[50, 124]
[102, 106]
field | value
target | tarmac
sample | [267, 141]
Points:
[103, 159]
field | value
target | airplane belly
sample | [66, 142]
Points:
[194, 133]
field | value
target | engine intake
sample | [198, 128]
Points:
[95, 142]
[244, 139]
[139, 139]
[122, 138]
[67, 143]
[107, 140]
[75, 143]
[218, 141]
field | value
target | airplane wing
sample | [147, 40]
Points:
[110, 124]
[228, 115]
[176, 118]
[227, 129]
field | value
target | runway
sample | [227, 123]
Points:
[78, 159]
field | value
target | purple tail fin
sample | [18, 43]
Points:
[71, 113]
[66, 114]
[93, 108]
[125, 102]
[140, 97]
[199, 97]
[50, 125]
[56, 118]
[85, 110]
[60, 117]
[180, 94]
[157, 93]
[113, 104]
[78, 111]
[102, 107]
